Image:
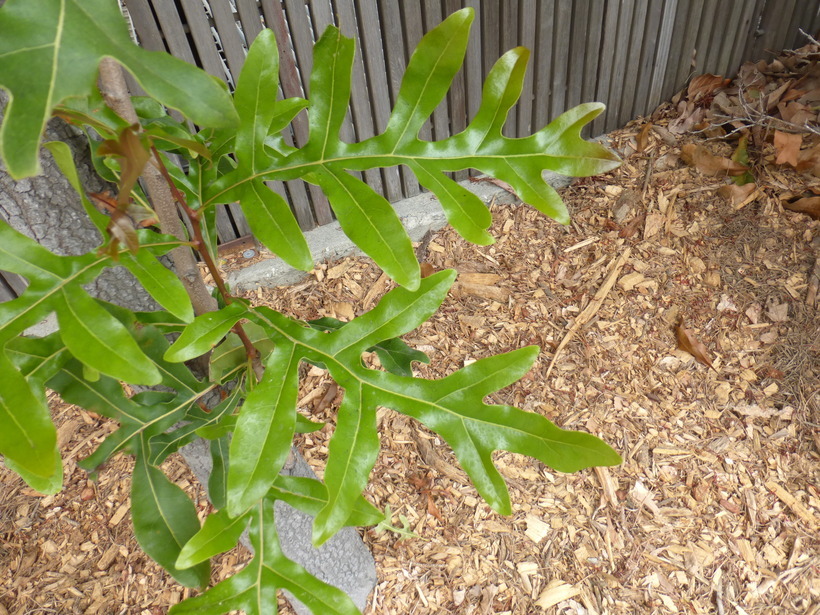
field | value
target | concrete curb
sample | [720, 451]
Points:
[418, 214]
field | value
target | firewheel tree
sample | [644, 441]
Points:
[244, 400]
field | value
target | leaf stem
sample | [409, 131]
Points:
[200, 245]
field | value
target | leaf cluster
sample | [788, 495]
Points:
[246, 406]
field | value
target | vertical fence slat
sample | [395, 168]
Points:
[441, 114]
[203, 38]
[372, 53]
[621, 56]
[291, 84]
[606, 65]
[490, 36]
[542, 66]
[393, 37]
[633, 63]
[704, 34]
[744, 32]
[359, 102]
[577, 45]
[526, 28]
[233, 46]
[145, 25]
[250, 18]
[509, 38]
[175, 37]
[592, 52]
[664, 45]
[648, 31]
[560, 57]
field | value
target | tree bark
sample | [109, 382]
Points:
[47, 209]
[115, 92]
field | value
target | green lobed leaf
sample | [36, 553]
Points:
[452, 406]
[268, 215]
[261, 441]
[49, 51]
[161, 283]
[218, 479]
[310, 496]
[369, 220]
[37, 358]
[205, 332]
[28, 437]
[394, 354]
[231, 353]
[218, 534]
[100, 341]
[164, 520]
[365, 216]
[166, 443]
[253, 590]
[353, 449]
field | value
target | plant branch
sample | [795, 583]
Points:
[115, 93]
[207, 257]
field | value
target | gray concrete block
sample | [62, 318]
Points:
[343, 561]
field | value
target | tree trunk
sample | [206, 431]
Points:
[47, 209]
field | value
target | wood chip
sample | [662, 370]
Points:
[789, 500]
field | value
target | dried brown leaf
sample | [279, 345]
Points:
[643, 136]
[787, 145]
[737, 195]
[689, 343]
[327, 398]
[772, 98]
[709, 164]
[809, 205]
[808, 161]
[427, 270]
[704, 85]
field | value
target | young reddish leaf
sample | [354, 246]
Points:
[122, 230]
[809, 206]
[709, 164]
[132, 154]
[787, 145]
[689, 343]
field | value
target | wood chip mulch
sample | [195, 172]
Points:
[716, 507]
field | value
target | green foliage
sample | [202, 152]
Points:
[256, 352]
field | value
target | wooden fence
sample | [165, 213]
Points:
[629, 54]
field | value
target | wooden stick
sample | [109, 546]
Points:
[590, 310]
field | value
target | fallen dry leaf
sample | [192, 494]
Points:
[704, 85]
[709, 164]
[737, 195]
[643, 136]
[809, 161]
[427, 270]
[689, 343]
[787, 145]
[809, 205]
